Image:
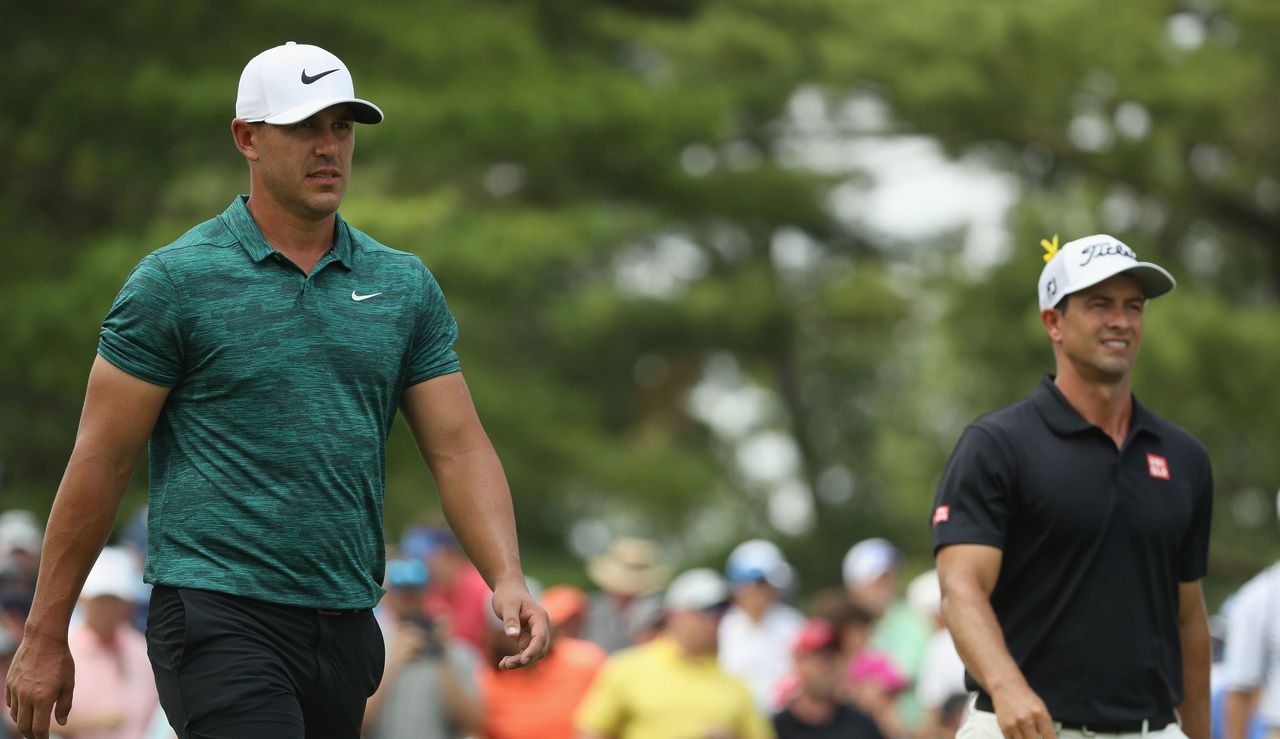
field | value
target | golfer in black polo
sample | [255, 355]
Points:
[1072, 527]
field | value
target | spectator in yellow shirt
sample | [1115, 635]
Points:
[672, 687]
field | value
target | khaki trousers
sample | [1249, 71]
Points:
[983, 725]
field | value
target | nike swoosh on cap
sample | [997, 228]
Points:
[308, 79]
[358, 298]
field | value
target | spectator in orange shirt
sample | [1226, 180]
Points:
[539, 701]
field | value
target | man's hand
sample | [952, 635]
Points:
[40, 682]
[967, 574]
[1022, 715]
[524, 619]
[119, 412]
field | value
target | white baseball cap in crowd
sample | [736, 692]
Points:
[868, 560]
[696, 590]
[19, 531]
[289, 83]
[757, 560]
[924, 594]
[1087, 261]
[115, 573]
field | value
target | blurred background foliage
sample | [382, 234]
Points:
[694, 304]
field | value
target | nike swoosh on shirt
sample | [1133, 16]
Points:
[308, 79]
[358, 298]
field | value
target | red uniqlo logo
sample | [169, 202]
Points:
[941, 514]
[1158, 466]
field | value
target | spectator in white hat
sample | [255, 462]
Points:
[870, 571]
[20, 539]
[672, 686]
[116, 692]
[758, 631]
[941, 675]
[1251, 659]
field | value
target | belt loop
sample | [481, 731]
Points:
[1145, 724]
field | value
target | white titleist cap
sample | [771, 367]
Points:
[292, 82]
[1086, 262]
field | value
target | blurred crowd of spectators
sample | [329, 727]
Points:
[709, 653]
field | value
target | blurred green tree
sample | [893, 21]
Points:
[633, 209]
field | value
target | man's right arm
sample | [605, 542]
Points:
[119, 413]
[968, 574]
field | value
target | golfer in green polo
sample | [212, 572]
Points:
[264, 355]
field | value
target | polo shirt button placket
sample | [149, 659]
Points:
[305, 298]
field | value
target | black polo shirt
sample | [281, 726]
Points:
[1094, 541]
[846, 723]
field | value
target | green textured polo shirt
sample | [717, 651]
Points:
[268, 461]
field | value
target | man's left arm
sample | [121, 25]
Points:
[1193, 633]
[476, 501]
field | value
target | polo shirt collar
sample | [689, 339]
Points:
[1064, 419]
[240, 222]
[1143, 419]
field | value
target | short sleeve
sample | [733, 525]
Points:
[1193, 558]
[604, 708]
[141, 333]
[431, 353]
[1244, 659]
[973, 501]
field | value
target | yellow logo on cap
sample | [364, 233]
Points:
[1050, 247]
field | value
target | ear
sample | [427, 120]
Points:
[246, 138]
[1052, 320]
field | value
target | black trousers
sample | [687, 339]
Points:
[236, 668]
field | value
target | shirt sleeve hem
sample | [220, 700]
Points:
[1193, 575]
[119, 361]
[990, 541]
[434, 372]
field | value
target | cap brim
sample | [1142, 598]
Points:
[363, 111]
[1155, 280]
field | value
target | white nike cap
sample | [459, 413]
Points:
[1086, 262]
[290, 83]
